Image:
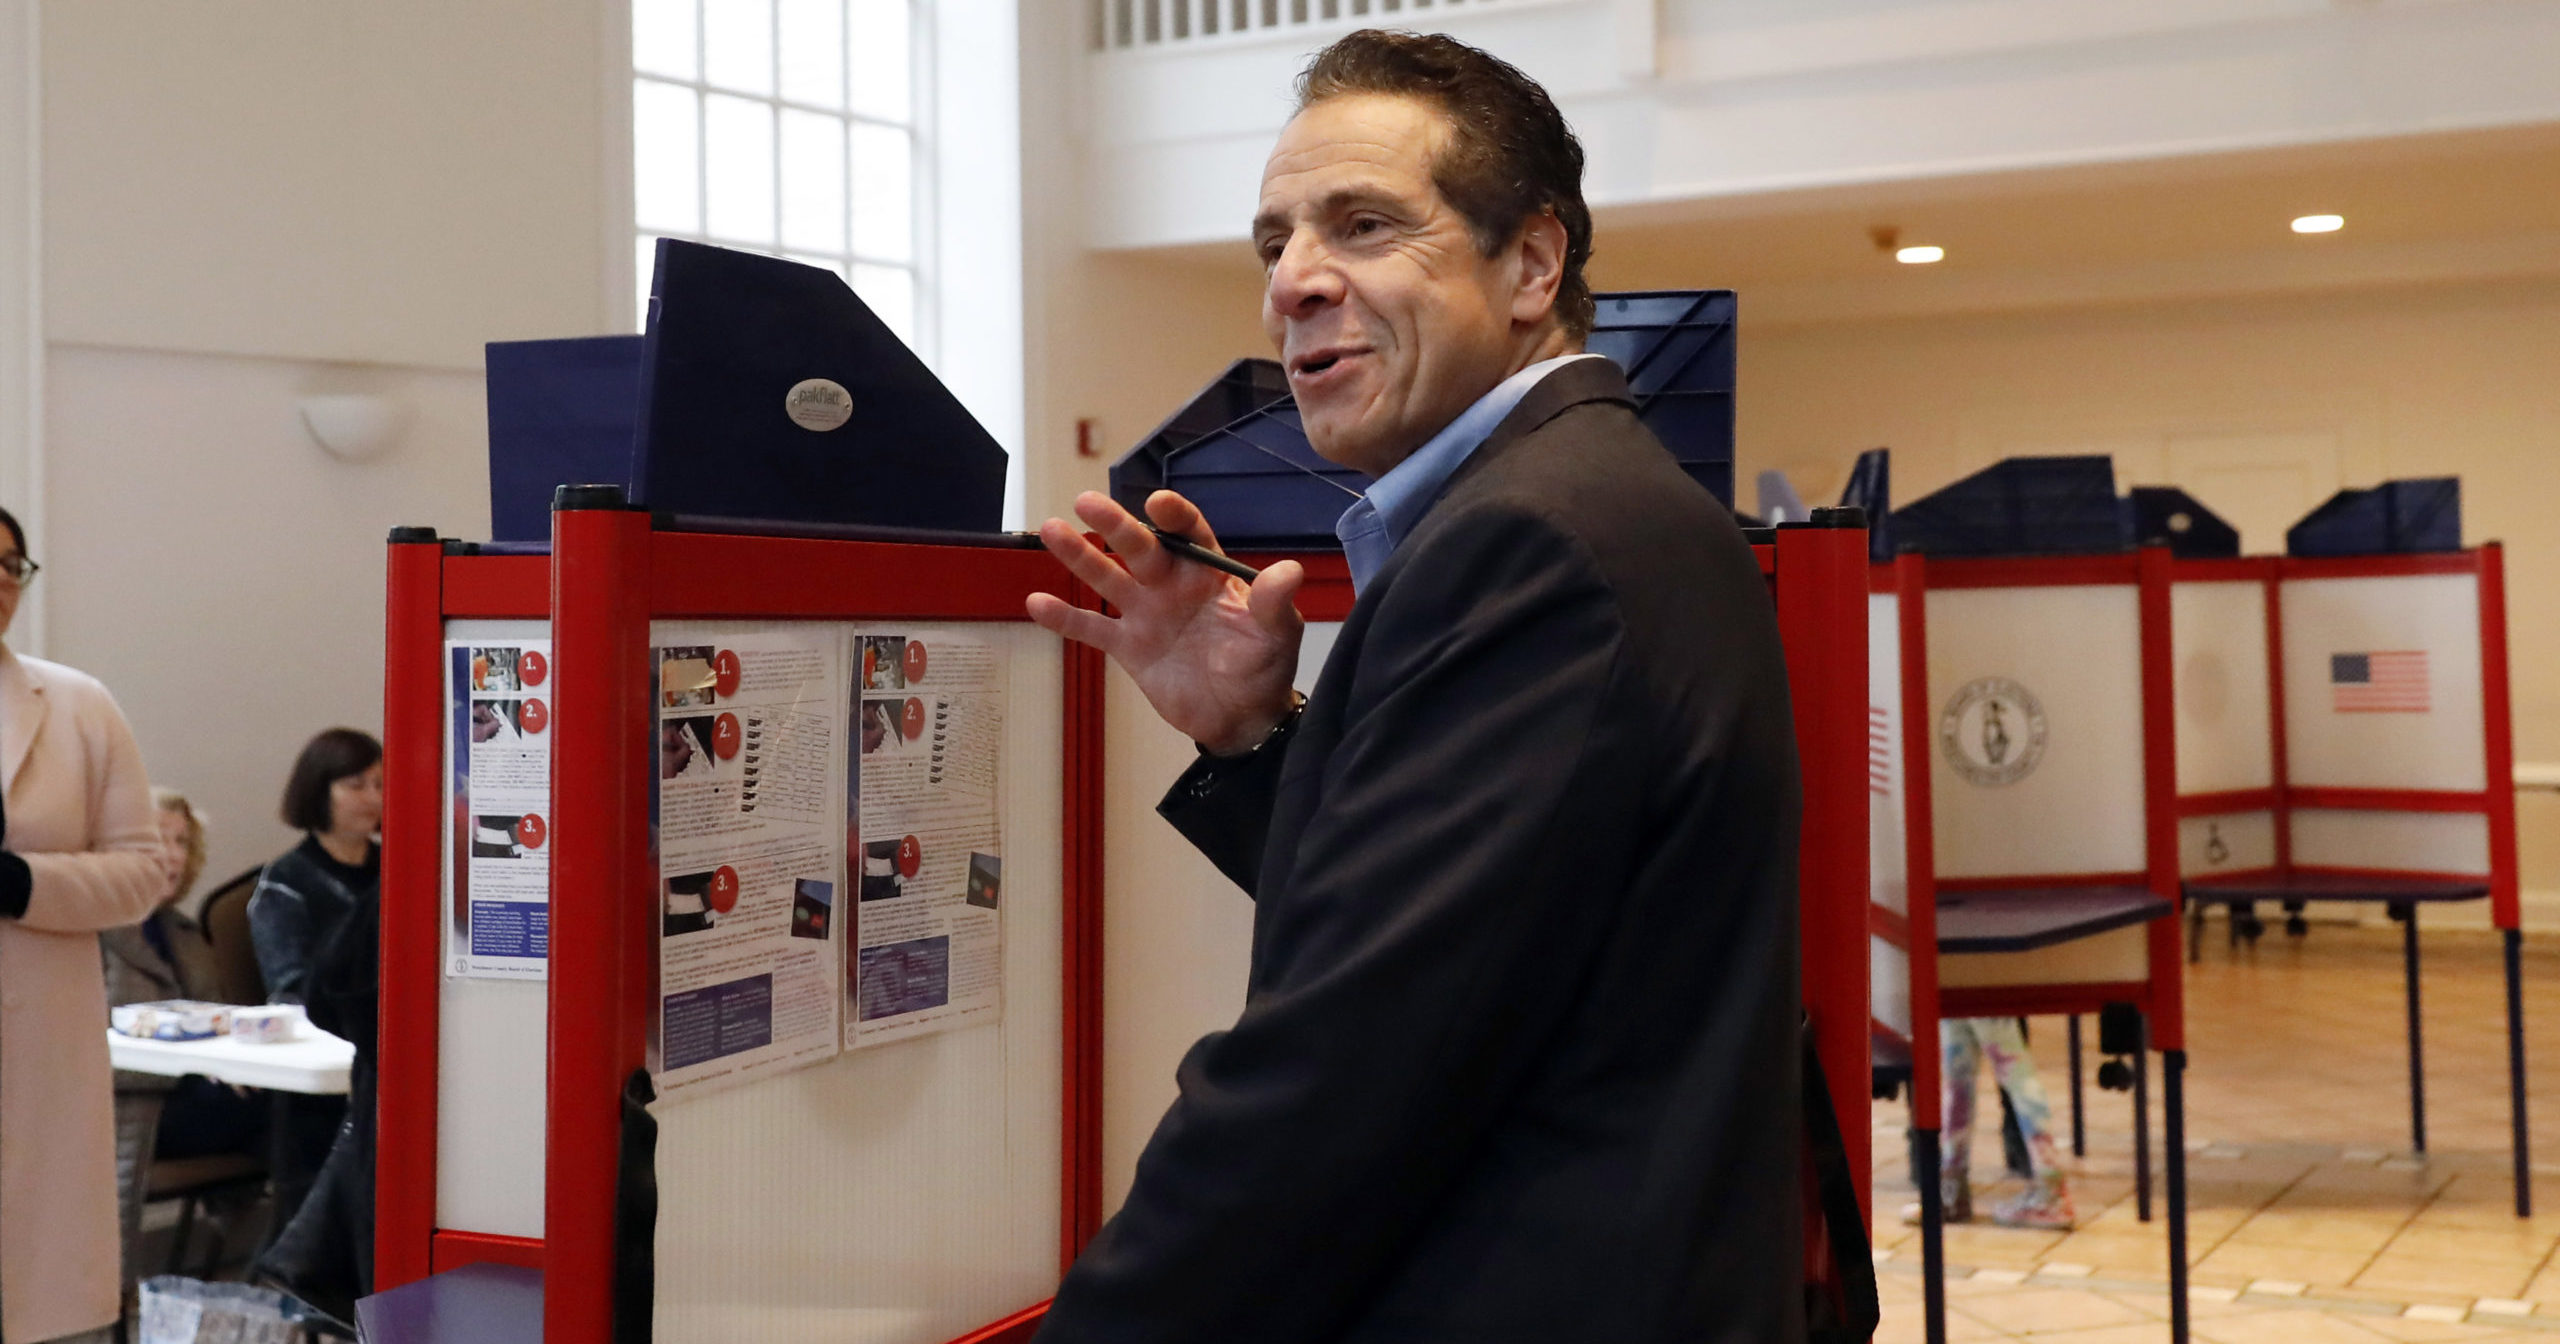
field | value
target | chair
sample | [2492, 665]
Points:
[226, 926]
[225, 920]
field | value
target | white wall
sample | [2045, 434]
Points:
[243, 201]
[224, 576]
[1680, 100]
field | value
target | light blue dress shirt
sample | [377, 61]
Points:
[1373, 526]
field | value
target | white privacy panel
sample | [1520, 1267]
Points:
[2035, 698]
[2225, 715]
[2236, 842]
[2118, 956]
[902, 1193]
[1178, 939]
[2424, 842]
[2382, 683]
[492, 1067]
[1889, 985]
[1888, 871]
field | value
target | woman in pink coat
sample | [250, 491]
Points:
[79, 852]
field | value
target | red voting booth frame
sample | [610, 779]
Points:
[2159, 996]
[610, 574]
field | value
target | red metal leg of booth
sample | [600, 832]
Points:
[413, 756]
[1822, 598]
[600, 900]
[1080, 1205]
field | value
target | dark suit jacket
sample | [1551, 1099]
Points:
[1518, 1054]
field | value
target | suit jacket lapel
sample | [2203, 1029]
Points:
[22, 705]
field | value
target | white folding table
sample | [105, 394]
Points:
[314, 1062]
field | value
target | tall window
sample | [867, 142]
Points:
[788, 127]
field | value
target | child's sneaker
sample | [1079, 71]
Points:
[2040, 1206]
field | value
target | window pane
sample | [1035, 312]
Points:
[813, 52]
[881, 60]
[883, 194]
[662, 38]
[737, 44]
[813, 182]
[739, 161]
[666, 181]
[890, 292]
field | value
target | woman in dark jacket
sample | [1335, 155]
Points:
[304, 898]
[335, 800]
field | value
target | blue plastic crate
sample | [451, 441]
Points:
[2394, 518]
[1678, 349]
[2021, 506]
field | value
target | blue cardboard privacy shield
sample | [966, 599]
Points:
[2393, 518]
[2167, 516]
[560, 413]
[1236, 450]
[1677, 348]
[2021, 506]
[768, 391]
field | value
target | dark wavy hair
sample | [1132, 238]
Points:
[327, 758]
[1511, 155]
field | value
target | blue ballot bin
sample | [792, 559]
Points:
[2021, 506]
[765, 393]
[1677, 347]
[1237, 451]
[2164, 515]
[2393, 518]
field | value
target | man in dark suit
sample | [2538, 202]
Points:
[1518, 1059]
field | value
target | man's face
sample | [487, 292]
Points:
[1387, 316]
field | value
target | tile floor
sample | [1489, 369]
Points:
[2310, 1218]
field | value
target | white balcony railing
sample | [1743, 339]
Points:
[1121, 25]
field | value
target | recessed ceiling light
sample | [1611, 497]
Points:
[1920, 256]
[2319, 223]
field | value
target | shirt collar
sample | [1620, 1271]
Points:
[1373, 526]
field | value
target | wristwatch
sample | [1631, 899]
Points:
[1279, 732]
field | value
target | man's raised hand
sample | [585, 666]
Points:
[1212, 654]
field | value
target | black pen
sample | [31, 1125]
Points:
[1202, 555]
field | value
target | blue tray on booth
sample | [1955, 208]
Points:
[765, 396]
[2394, 518]
[1238, 452]
[1677, 347]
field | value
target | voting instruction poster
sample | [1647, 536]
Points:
[924, 845]
[750, 803]
[498, 807]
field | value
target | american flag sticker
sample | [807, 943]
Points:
[2378, 683]
[1879, 751]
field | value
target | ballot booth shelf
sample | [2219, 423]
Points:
[2094, 937]
[608, 575]
[2443, 613]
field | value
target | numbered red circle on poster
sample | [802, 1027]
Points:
[911, 720]
[724, 889]
[724, 671]
[531, 668]
[910, 856]
[724, 736]
[915, 660]
[535, 716]
[531, 832]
